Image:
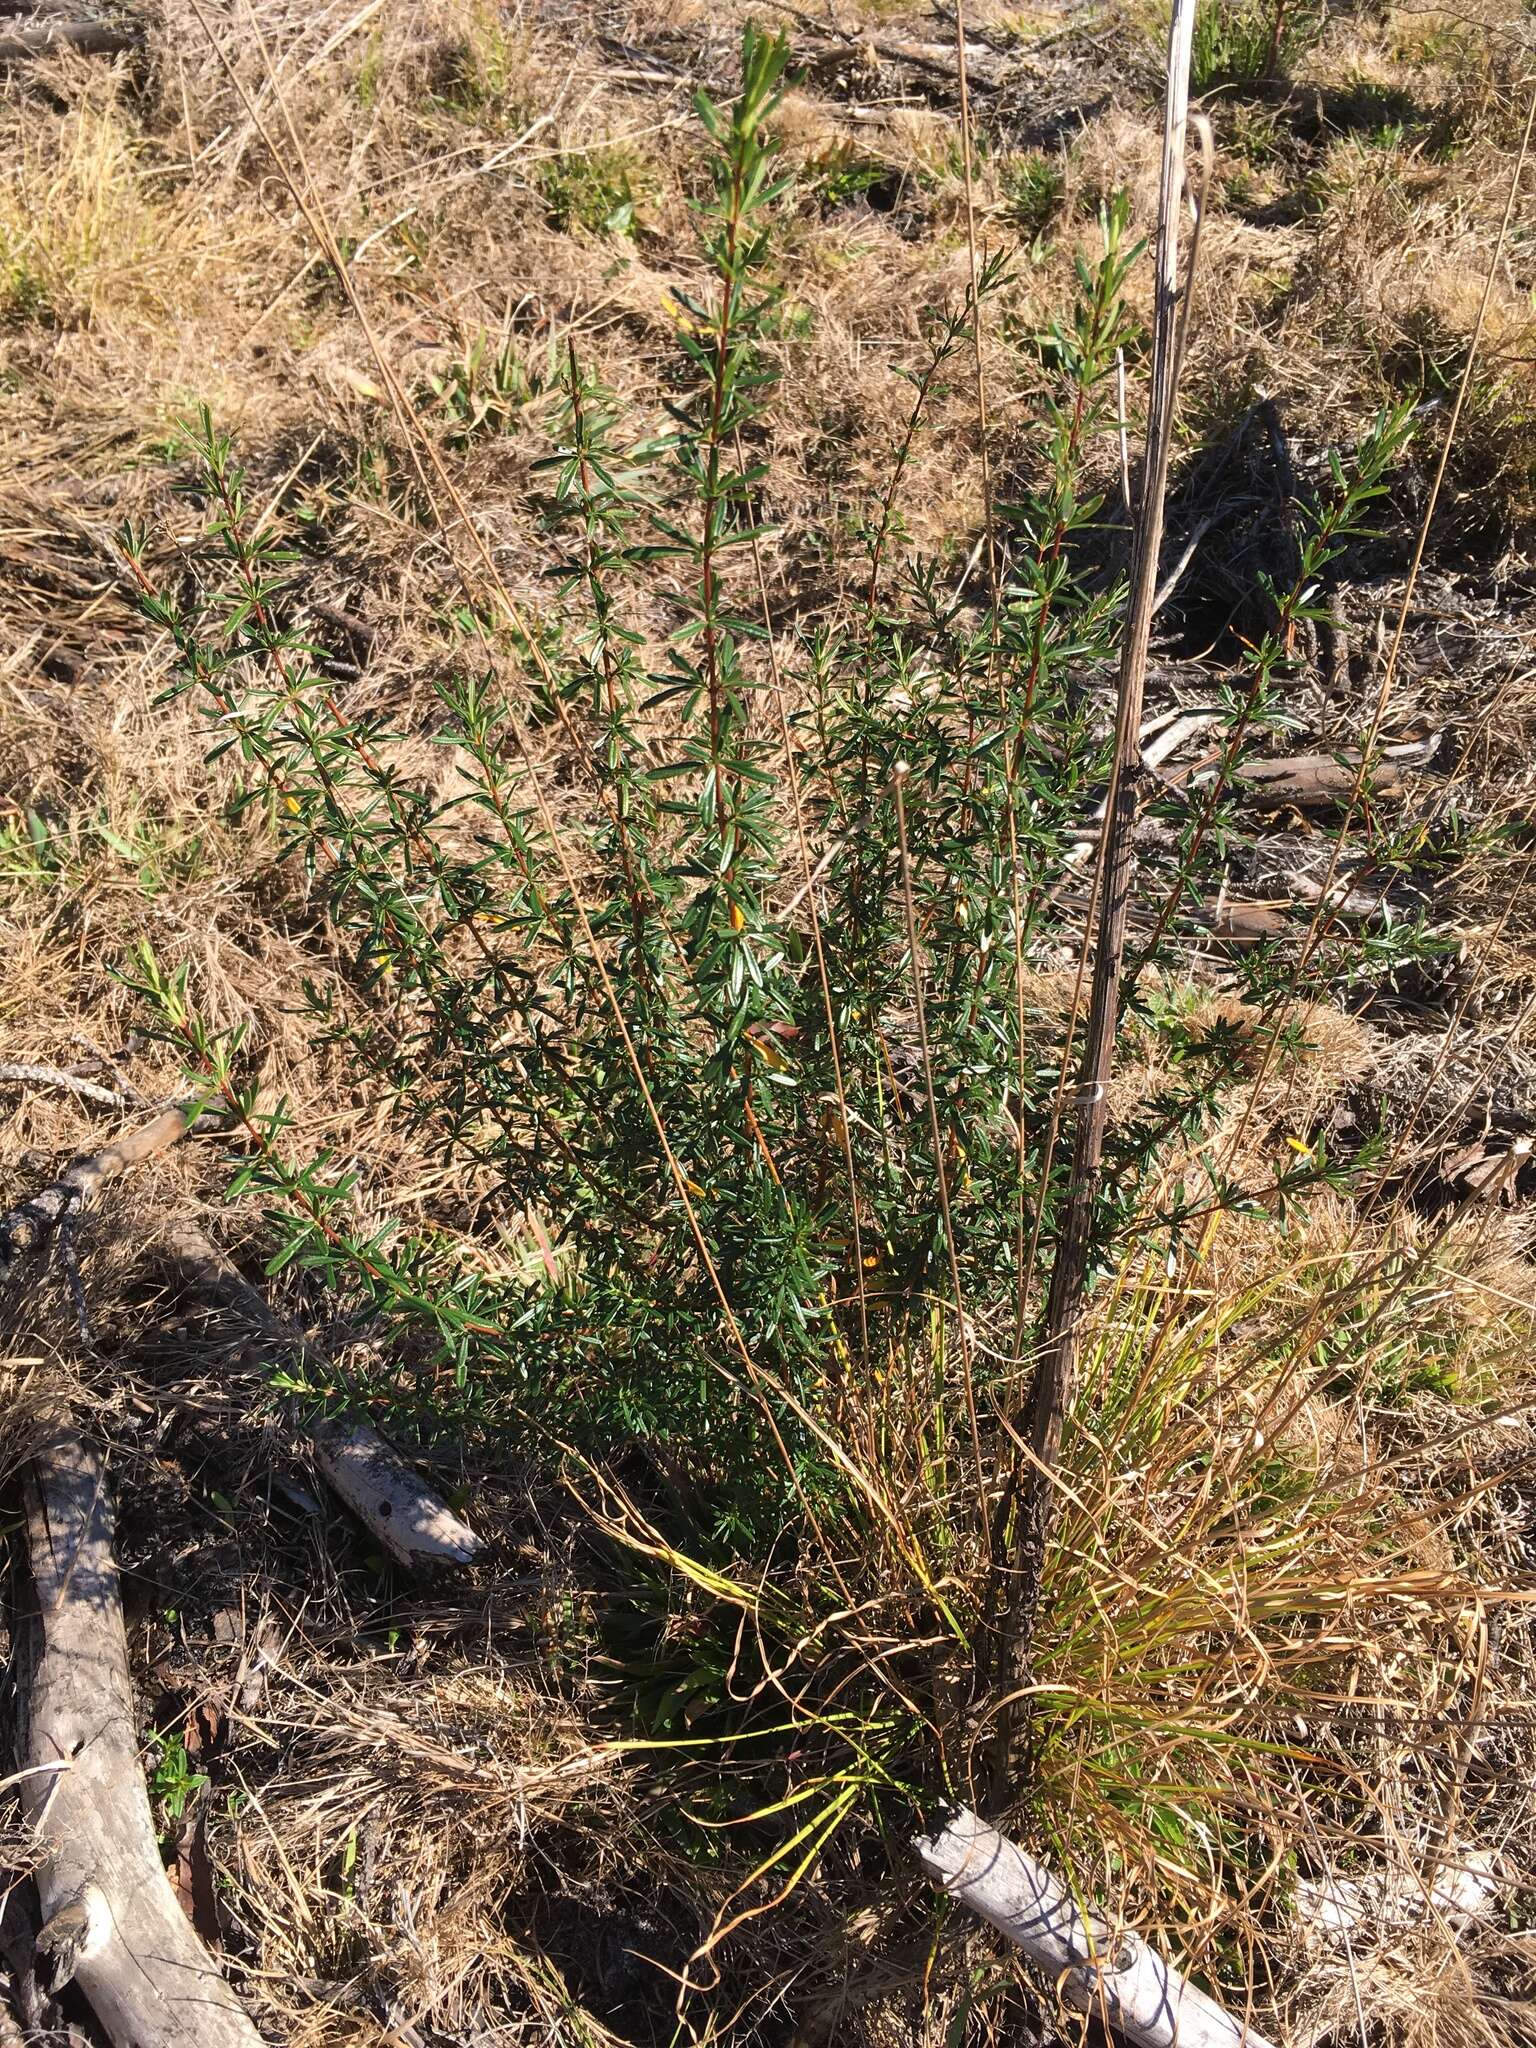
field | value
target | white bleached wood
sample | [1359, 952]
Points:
[1096, 1967]
[414, 1524]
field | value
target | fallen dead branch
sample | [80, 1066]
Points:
[111, 1921]
[1097, 1967]
[29, 1226]
[411, 1521]
[986, 66]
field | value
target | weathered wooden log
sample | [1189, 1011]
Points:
[111, 1922]
[20, 1991]
[1096, 1967]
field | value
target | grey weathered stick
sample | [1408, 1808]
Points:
[1051, 1392]
[1096, 1967]
[24, 1074]
[30, 1225]
[412, 1522]
[110, 1919]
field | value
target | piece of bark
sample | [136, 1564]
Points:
[1166, 742]
[412, 1522]
[1306, 780]
[357, 630]
[1095, 1966]
[111, 1922]
[1240, 923]
[1489, 1170]
[89, 38]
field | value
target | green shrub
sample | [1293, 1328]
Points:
[755, 1048]
[767, 1124]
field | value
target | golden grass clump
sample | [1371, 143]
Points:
[85, 231]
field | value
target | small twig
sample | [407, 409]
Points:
[111, 1063]
[21, 1073]
[1180, 569]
